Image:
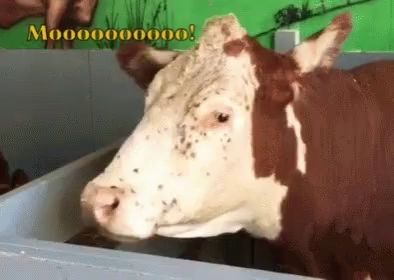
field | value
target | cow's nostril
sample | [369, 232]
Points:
[115, 204]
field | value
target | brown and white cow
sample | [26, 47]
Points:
[236, 136]
[59, 14]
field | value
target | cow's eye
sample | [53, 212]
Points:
[222, 117]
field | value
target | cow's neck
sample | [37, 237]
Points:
[339, 128]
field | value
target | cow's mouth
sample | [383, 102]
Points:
[230, 222]
[119, 237]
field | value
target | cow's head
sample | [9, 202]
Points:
[218, 137]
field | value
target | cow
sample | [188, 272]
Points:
[235, 136]
[64, 14]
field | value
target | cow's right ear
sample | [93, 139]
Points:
[142, 62]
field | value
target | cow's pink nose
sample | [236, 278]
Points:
[101, 202]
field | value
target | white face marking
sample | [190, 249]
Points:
[190, 175]
[294, 123]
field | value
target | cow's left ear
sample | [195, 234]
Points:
[323, 47]
[141, 61]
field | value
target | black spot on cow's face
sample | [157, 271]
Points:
[135, 170]
[160, 187]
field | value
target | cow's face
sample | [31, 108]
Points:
[204, 158]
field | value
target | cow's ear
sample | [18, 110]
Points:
[322, 48]
[142, 62]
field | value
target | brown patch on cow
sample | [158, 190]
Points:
[268, 115]
[338, 218]
[234, 48]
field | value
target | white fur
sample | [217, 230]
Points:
[230, 197]
[294, 123]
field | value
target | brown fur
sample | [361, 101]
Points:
[338, 218]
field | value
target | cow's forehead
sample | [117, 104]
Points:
[207, 69]
[203, 80]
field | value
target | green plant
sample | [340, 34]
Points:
[141, 14]
[111, 22]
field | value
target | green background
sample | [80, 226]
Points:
[373, 21]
